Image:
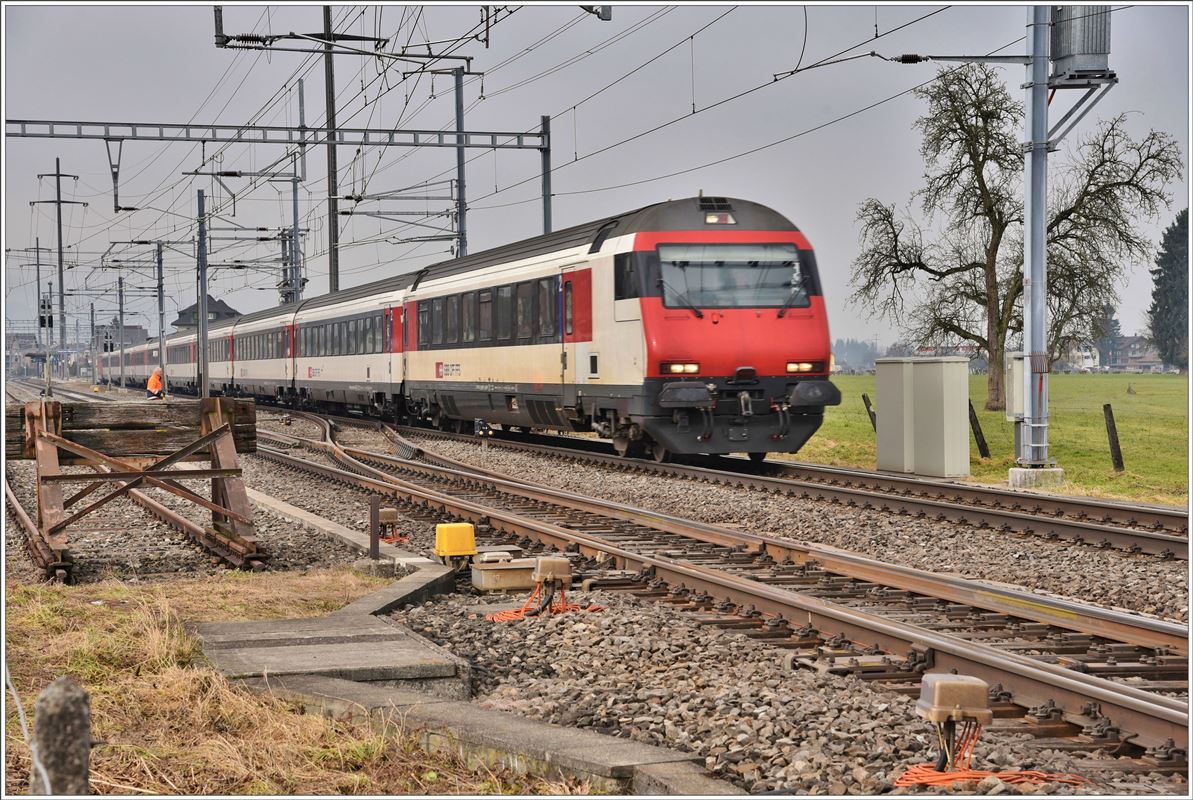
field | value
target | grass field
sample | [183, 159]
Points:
[1153, 427]
[167, 724]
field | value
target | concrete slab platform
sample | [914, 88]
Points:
[358, 648]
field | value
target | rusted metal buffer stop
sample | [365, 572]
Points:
[135, 446]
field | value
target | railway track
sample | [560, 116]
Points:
[1153, 530]
[1100, 679]
[29, 390]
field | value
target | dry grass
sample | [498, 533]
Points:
[170, 725]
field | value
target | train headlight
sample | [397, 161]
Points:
[680, 367]
[800, 366]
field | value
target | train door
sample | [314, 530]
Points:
[575, 323]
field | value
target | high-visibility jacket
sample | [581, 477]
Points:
[155, 383]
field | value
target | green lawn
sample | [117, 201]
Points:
[1152, 427]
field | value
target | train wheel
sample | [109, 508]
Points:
[622, 445]
[659, 453]
[757, 457]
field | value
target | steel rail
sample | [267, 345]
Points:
[39, 549]
[1036, 521]
[1092, 620]
[1151, 718]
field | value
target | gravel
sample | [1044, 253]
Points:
[118, 540]
[275, 421]
[125, 541]
[345, 505]
[1142, 584]
[648, 672]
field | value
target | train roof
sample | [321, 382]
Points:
[670, 215]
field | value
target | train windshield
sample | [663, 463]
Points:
[731, 276]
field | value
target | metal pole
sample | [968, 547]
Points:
[94, 357]
[120, 300]
[284, 294]
[201, 310]
[295, 250]
[1035, 283]
[333, 205]
[49, 338]
[37, 284]
[161, 317]
[295, 245]
[461, 202]
[546, 168]
[61, 269]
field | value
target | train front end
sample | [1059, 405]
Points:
[737, 345]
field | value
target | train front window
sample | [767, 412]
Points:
[731, 276]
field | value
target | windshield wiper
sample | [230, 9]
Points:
[790, 301]
[683, 298]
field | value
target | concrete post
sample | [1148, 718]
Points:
[62, 738]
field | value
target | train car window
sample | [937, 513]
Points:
[524, 310]
[548, 308]
[567, 307]
[279, 344]
[468, 317]
[341, 338]
[625, 278]
[505, 313]
[424, 324]
[437, 321]
[368, 334]
[379, 333]
[484, 315]
[451, 319]
[353, 344]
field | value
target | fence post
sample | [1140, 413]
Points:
[62, 735]
[870, 412]
[374, 527]
[976, 426]
[1116, 453]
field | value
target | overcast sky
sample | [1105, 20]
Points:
[159, 64]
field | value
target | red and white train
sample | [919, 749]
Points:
[689, 326]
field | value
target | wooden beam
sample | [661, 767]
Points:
[166, 474]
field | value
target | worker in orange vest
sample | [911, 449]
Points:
[154, 388]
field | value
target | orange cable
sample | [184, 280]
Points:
[558, 606]
[959, 768]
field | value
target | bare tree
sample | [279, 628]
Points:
[958, 275]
